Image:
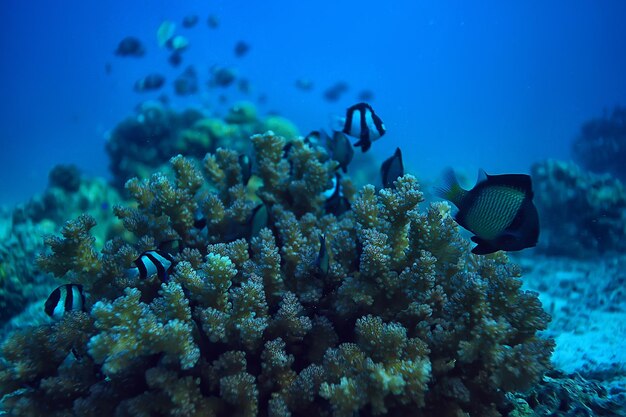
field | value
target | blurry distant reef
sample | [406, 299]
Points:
[142, 143]
[25, 226]
[582, 214]
[601, 144]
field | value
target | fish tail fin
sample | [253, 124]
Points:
[450, 189]
[483, 247]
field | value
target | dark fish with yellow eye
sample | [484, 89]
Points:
[499, 211]
[392, 169]
[68, 297]
[362, 122]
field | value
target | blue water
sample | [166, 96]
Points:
[497, 85]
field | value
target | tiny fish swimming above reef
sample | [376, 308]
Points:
[190, 21]
[363, 123]
[499, 211]
[392, 169]
[67, 297]
[149, 83]
[241, 49]
[152, 262]
[130, 46]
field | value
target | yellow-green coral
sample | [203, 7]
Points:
[406, 321]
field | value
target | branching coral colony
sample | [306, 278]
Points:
[405, 321]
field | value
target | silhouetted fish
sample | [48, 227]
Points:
[130, 46]
[499, 211]
[213, 21]
[187, 82]
[392, 169]
[190, 21]
[340, 149]
[241, 49]
[334, 92]
[149, 83]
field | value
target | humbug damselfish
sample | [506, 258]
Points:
[67, 297]
[362, 122]
[499, 211]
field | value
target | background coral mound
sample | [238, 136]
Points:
[582, 214]
[601, 144]
[405, 321]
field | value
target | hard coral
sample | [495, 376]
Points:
[405, 321]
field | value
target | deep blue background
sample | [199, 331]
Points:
[497, 85]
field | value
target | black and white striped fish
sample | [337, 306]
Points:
[152, 262]
[67, 297]
[363, 123]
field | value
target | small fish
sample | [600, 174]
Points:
[304, 84]
[149, 83]
[67, 297]
[222, 76]
[335, 92]
[336, 203]
[340, 149]
[392, 169]
[187, 82]
[175, 58]
[243, 85]
[259, 219]
[499, 211]
[213, 21]
[190, 21]
[363, 123]
[130, 46]
[241, 49]
[365, 95]
[177, 43]
[108, 68]
[165, 32]
[152, 262]
[245, 163]
[322, 262]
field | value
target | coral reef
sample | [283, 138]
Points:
[67, 195]
[582, 214]
[572, 395]
[601, 144]
[141, 144]
[404, 321]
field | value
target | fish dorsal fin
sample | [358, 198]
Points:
[450, 189]
[521, 182]
[482, 176]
